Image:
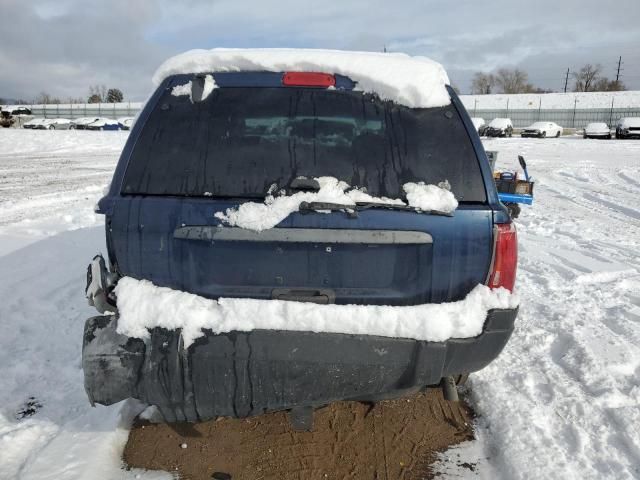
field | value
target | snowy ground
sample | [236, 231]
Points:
[562, 401]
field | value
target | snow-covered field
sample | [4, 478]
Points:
[562, 401]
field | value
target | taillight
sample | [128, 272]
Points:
[308, 79]
[505, 257]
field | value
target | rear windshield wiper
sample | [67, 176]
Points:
[325, 206]
[396, 206]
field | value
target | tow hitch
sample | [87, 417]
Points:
[100, 284]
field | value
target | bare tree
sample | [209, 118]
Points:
[512, 81]
[44, 98]
[606, 85]
[94, 94]
[587, 78]
[482, 83]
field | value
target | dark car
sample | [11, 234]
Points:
[188, 159]
[14, 116]
[499, 127]
[628, 127]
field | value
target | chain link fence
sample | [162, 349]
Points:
[568, 118]
[78, 110]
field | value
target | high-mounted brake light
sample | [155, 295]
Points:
[308, 79]
[505, 257]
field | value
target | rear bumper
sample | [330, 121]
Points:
[240, 374]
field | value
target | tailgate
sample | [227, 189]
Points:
[380, 257]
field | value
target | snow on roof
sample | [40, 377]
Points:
[411, 81]
[630, 122]
[500, 122]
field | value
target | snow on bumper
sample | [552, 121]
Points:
[240, 374]
[143, 306]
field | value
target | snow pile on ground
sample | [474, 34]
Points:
[524, 101]
[411, 81]
[143, 306]
[262, 216]
[48, 430]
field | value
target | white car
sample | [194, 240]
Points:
[479, 123]
[81, 123]
[57, 124]
[542, 130]
[103, 124]
[35, 124]
[628, 127]
[597, 130]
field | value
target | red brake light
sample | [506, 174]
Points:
[308, 79]
[505, 257]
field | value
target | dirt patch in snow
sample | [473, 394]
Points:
[394, 439]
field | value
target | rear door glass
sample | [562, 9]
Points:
[240, 141]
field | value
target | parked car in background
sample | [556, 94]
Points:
[542, 130]
[34, 124]
[499, 127]
[57, 123]
[15, 111]
[480, 125]
[597, 130]
[81, 123]
[14, 116]
[103, 124]
[125, 123]
[628, 127]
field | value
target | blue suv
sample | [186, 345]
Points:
[190, 157]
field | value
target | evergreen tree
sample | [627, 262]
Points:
[114, 95]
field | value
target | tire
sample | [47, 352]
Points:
[558, 134]
[543, 135]
[52, 127]
[584, 136]
[72, 127]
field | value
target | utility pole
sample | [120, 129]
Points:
[566, 81]
[619, 65]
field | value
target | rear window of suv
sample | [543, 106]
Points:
[240, 141]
